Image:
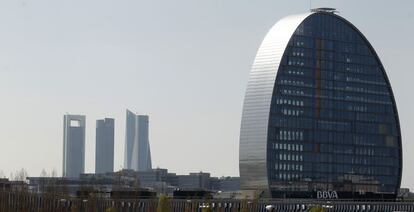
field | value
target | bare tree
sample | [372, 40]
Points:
[53, 173]
[20, 175]
[20, 189]
[43, 173]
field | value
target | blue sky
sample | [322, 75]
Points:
[185, 63]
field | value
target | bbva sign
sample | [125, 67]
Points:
[327, 195]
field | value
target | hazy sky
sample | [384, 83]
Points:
[184, 63]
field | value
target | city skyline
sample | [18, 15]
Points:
[185, 64]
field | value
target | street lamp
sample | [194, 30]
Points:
[270, 207]
[327, 206]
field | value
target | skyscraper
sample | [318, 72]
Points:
[137, 148]
[73, 145]
[104, 149]
[319, 116]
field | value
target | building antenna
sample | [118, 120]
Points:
[310, 4]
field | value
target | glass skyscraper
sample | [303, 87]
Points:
[73, 145]
[137, 149]
[104, 148]
[319, 117]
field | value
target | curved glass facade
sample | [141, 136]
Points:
[332, 119]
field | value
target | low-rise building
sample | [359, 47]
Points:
[158, 180]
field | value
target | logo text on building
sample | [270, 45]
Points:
[327, 195]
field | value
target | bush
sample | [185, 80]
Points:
[110, 210]
[163, 204]
[317, 208]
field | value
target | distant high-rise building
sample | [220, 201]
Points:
[137, 148]
[73, 145]
[104, 149]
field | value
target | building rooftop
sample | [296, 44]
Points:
[325, 9]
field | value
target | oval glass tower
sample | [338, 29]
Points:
[319, 117]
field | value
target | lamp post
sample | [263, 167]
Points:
[270, 208]
[62, 204]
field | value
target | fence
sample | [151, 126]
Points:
[28, 202]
